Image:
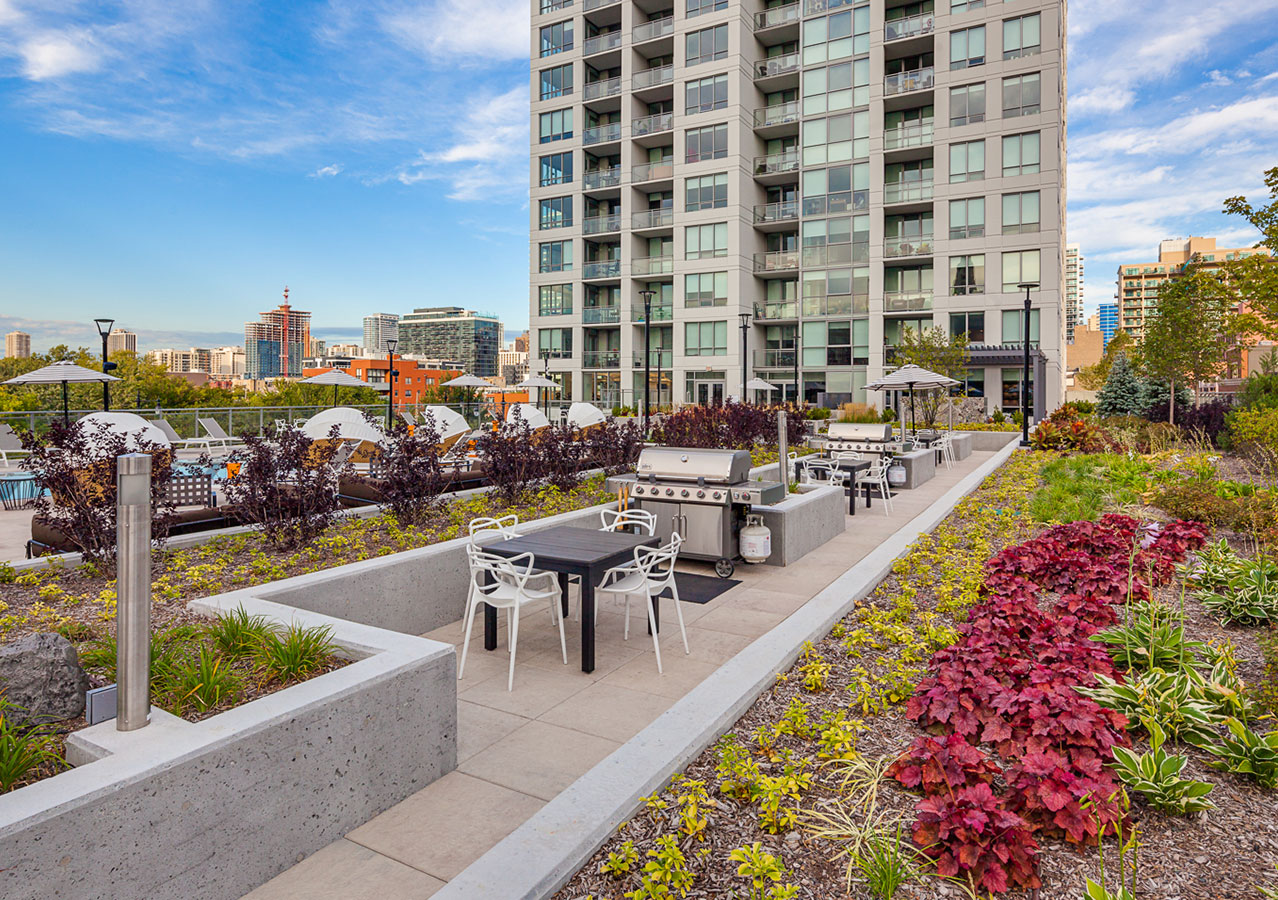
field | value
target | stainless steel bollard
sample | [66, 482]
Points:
[783, 452]
[133, 591]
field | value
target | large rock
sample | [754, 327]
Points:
[41, 674]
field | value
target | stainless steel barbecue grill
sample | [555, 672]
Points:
[861, 437]
[703, 495]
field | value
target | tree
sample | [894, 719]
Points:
[1256, 276]
[936, 350]
[1093, 377]
[1122, 394]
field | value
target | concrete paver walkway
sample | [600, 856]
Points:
[517, 750]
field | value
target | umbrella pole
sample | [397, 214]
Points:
[914, 419]
[66, 411]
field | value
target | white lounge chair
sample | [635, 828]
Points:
[177, 442]
[217, 435]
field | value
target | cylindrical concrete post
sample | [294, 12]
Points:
[133, 591]
[783, 452]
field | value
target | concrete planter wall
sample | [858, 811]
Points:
[992, 441]
[804, 521]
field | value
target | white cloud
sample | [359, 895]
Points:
[53, 55]
[456, 28]
[326, 171]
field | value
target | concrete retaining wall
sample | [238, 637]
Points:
[993, 440]
[804, 521]
[962, 444]
[215, 808]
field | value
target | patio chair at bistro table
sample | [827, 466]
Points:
[651, 573]
[625, 519]
[876, 477]
[487, 529]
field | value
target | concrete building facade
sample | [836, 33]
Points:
[275, 345]
[120, 339]
[378, 329]
[805, 179]
[17, 345]
[452, 333]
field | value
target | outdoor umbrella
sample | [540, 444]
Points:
[540, 382]
[64, 372]
[758, 384]
[529, 414]
[351, 426]
[911, 377]
[467, 381]
[132, 427]
[585, 415]
[337, 378]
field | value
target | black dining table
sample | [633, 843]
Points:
[851, 468]
[570, 551]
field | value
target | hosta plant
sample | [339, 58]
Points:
[1151, 639]
[1174, 700]
[1247, 752]
[1248, 597]
[1156, 775]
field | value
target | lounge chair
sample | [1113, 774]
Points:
[214, 430]
[178, 442]
[9, 444]
[408, 417]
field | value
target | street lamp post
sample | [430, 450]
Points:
[391, 344]
[647, 355]
[104, 329]
[1025, 377]
[745, 347]
[798, 391]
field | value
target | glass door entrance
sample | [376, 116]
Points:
[710, 393]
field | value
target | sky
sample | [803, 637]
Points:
[175, 165]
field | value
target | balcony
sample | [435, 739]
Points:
[906, 301]
[777, 261]
[652, 172]
[909, 27]
[647, 78]
[778, 114]
[819, 256]
[601, 178]
[785, 211]
[650, 31]
[601, 359]
[604, 268]
[589, 5]
[602, 134]
[608, 87]
[908, 136]
[610, 40]
[601, 224]
[907, 191]
[905, 82]
[776, 65]
[652, 124]
[601, 315]
[780, 15]
[774, 359]
[918, 246]
[773, 310]
[777, 163]
[838, 305]
[652, 265]
[661, 312]
[653, 218]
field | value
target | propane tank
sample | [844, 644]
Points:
[896, 474]
[756, 540]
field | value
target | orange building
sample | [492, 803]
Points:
[411, 380]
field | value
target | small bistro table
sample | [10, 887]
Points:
[571, 551]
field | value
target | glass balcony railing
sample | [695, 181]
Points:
[661, 312]
[778, 114]
[647, 78]
[820, 256]
[776, 65]
[601, 178]
[907, 191]
[774, 359]
[784, 211]
[601, 315]
[904, 82]
[776, 163]
[652, 124]
[836, 305]
[599, 43]
[657, 359]
[767, 310]
[601, 134]
[589, 5]
[776, 261]
[608, 87]
[652, 172]
[907, 136]
[916, 246]
[906, 301]
[601, 224]
[653, 218]
[601, 359]
[909, 27]
[604, 268]
[652, 265]
[652, 30]
[778, 15]
[812, 7]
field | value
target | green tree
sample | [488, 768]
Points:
[1256, 277]
[1122, 393]
[936, 350]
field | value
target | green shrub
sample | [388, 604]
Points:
[296, 653]
[1254, 432]
[22, 749]
[817, 414]
[1239, 589]
[1198, 502]
[198, 683]
[1245, 752]
[237, 633]
[1265, 691]
[1175, 701]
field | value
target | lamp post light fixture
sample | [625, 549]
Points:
[647, 296]
[798, 390]
[104, 329]
[1025, 377]
[745, 348]
[391, 344]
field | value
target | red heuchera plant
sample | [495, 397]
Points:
[972, 835]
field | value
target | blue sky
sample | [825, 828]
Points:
[175, 164]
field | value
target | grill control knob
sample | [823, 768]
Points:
[669, 492]
[683, 493]
[701, 495]
[717, 495]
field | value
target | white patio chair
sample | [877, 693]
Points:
[876, 477]
[487, 530]
[945, 446]
[176, 441]
[507, 584]
[819, 471]
[216, 434]
[651, 573]
[10, 444]
[621, 520]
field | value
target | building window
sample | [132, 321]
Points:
[552, 5]
[967, 161]
[1021, 154]
[967, 274]
[554, 299]
[555, 126]
[705, 339]
[554, 343]
[705, 241]
[706, 94]
[706, 192]
[706, 45]
[841, 34]
[958, 6]
[971, 324]
[1021, 95]
[827, 344]
[837, 87]
[967, 104]
[701, 7]
[1014, 326]
[556, 169]
[556, 38]
[555, 256]
[1019, 266]
[705, 289]
[967, 218]
[556, 212]
[710, 142]
[556, 82]
[967, 47]
[1021, 36]
[1020, 212]
[836, 139]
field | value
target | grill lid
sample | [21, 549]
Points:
[860, 431]
[691, 464]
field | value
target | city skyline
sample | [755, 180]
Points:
[381, 156]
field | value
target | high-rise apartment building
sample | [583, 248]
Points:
[120, 339]
[227, 362]
[377, 330]
[275, 346]
[1107, 320]
[452, 333]
[1073, 291]
[837, 172]
[1138, 283]
[17, 345]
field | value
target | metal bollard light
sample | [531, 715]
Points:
[783, 451]
[133, 591]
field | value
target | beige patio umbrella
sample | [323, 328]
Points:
[337, 378]
[909, 377]
[63, 372]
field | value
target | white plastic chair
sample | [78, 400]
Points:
[621, 520]
[945, 446]
[507, 584]
[818, 471]
[486, 529]
[876, 476]
[651, 573]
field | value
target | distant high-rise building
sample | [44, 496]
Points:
[513, 364]
[1107, 315]
[450, 332]
[315, 347]
[196, 359]
[227, 362]
[352, 350]
[1073, 291]
[521, 343]
[378, 329]
[275, 346]
[120, 339]
[17, 345]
